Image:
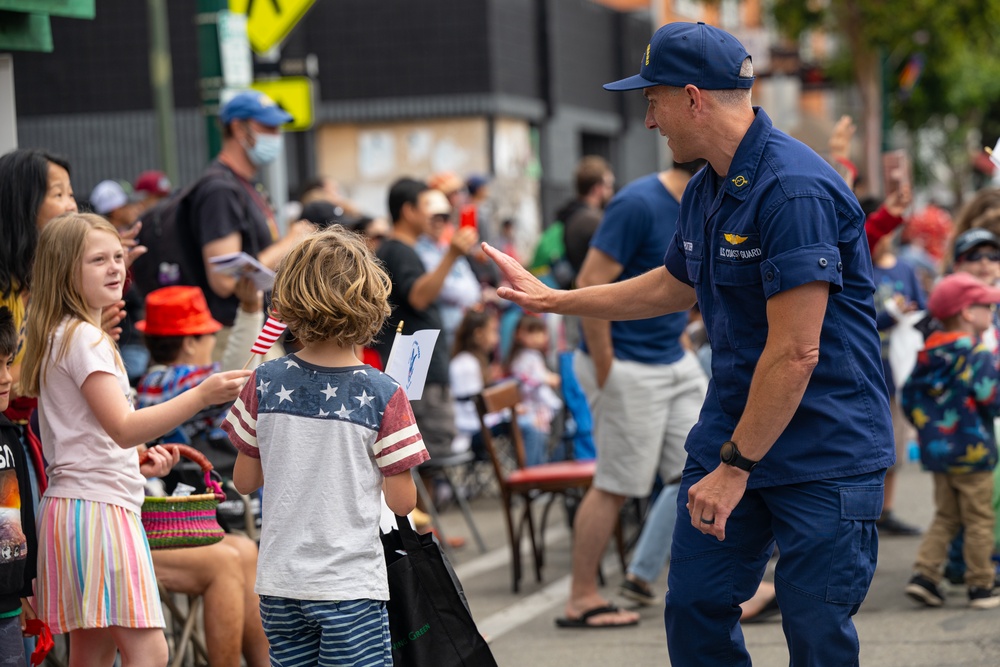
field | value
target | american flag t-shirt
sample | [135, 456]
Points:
[360, 401]
[326, 438]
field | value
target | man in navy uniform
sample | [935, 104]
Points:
[795, 434]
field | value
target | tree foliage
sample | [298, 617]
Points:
[957, 38]
[956, 41]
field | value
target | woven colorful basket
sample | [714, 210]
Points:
[177, 522]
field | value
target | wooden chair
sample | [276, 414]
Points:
[528, 484]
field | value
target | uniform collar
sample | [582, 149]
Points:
[743, 169]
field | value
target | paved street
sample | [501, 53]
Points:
[894, 632]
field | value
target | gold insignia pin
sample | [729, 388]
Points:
[734, 239]
[740, 181]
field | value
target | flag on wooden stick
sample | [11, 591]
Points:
[410, 359]
[268, 336]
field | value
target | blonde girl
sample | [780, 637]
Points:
[95, 576]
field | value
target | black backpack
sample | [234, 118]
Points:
[174, 254]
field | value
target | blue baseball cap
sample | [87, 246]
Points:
[254, 105]
[689, 53]
[474, 182]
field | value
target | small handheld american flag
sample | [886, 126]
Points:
[268, 336]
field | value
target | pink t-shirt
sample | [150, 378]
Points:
[83, 461]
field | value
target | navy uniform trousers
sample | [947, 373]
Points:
[828, 545]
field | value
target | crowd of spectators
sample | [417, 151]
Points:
[440, 279]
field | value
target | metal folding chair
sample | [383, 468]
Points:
[185, 636]
[445, 468]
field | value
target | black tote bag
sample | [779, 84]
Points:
[429, 620]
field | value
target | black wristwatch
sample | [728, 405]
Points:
[730, 455]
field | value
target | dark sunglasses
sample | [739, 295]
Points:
[993, 256]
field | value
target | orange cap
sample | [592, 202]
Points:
[178, 310]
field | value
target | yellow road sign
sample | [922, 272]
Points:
[294, 94]
[270, 21]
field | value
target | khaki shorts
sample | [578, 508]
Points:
[642, 417]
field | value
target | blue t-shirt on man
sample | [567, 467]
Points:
[638, 225]
[782, 218]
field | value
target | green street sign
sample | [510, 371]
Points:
[25, 26]
[25, 32]
[73, 9]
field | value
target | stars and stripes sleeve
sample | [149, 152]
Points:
[241, 422]
[399, 446]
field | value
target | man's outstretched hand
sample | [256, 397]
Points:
[524, 289]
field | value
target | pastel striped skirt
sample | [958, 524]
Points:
[94, 567]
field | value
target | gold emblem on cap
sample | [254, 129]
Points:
[647, 55]
[735, 239]
[740, 181]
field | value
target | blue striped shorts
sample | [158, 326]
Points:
[348, 633]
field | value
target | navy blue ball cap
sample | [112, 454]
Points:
[689, 53]
[253, 105]
[968, 240]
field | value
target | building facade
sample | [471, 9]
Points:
[506, 88]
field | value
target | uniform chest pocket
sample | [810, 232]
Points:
[693, 259]
[741, 295]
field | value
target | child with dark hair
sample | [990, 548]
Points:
[179, 332]
[470, 371]
[18, 563]
[526, 364]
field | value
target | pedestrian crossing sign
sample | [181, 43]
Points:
[270, 21]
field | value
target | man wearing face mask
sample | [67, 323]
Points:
[230, 210]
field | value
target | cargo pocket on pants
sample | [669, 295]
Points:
[855, 551]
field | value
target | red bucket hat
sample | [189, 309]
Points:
[177, 311]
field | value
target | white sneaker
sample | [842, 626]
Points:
[983, 598]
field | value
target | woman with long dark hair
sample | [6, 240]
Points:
[34, 188]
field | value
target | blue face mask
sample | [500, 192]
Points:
[266, 148]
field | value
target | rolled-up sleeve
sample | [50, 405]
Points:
[803, 265]
[801, 241]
